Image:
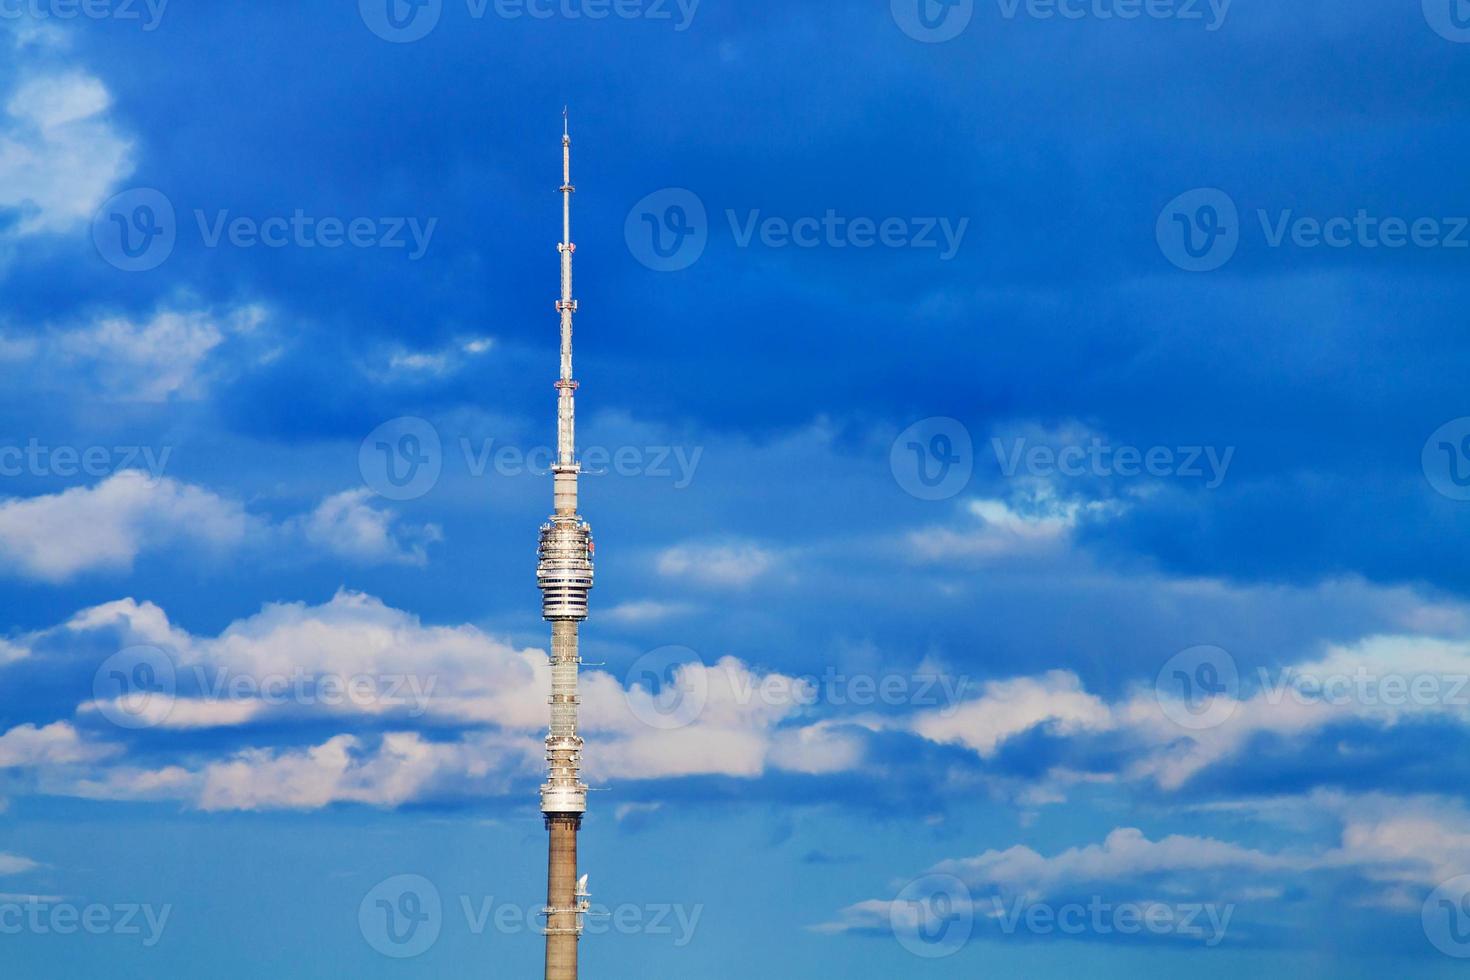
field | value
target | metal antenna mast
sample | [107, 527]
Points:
[564, 575]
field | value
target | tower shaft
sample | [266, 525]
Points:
[564, 575]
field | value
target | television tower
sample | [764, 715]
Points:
[564, 575]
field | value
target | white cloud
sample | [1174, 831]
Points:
[1009, 708]
[11, 652]
[1379, 680]
[56, 537]
[451, 675]
[1393, 849]
[1034, 524]
[745, 725]
[156, 359]
[14, 864]
[1211, 869]
[718, 565]
[61, 535]
[1125, 853]
[347, 524]
[1372, 681]
[56, 744]
[59, 155]
[646, 611]
[401, 364]
[402, 768]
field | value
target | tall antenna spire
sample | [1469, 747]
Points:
[564, 575]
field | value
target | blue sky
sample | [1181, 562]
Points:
[1026, 443]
